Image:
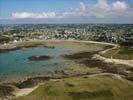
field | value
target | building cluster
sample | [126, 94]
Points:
[113, 33]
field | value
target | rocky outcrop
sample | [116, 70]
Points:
[39, 58]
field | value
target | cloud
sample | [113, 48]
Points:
[102, 4]
[120, 5]
[82, 6]
[34, 15]
[102, 9]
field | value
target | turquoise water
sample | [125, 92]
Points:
[15, 64]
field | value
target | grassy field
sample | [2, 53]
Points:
[120, 53]
[100, 87]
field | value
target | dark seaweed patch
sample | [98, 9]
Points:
[39, 58]
[80, 55]
[6, 90]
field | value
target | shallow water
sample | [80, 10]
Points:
[15, 64]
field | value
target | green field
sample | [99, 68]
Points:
[122, 52]
[99, 87]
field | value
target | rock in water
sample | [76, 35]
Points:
[39, 58]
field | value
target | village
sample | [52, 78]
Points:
[111, 33]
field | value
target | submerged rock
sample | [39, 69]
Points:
[39, 58]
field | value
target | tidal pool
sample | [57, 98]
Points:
[15, 64]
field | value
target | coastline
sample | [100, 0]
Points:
[24, 87]
[39, 43]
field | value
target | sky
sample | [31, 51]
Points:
[66, 11]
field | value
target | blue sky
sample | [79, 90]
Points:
[88, 11]
[10, 6]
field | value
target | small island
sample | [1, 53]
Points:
[39, 58]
